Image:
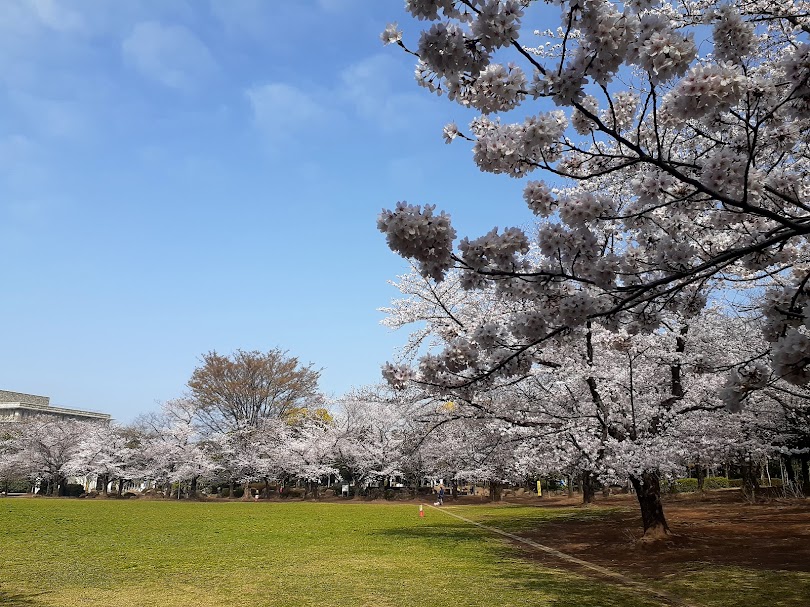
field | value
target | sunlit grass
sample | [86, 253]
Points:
[83, 552]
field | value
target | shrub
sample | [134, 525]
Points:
[74, 490]
[16, 486]
[715, 482]
[683, 485]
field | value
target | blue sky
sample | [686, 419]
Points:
[185, 176]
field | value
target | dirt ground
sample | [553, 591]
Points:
[719, 528]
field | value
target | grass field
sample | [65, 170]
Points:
[135, 552]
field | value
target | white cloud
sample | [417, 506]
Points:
[367, 85]
[249, 17]
[336, 6]
[56, 16]
[170, 54]
[282, 110]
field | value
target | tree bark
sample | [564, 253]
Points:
[120, 486]
[701, 476]
[648, 492]
[791, 473]
[246, 493]
[192, 492]
[588, 487]
[494, 491]
[805, 460]
[750, 474]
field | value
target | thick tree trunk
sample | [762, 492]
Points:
[648, 492]
[588, 487]
[246, 493]
[192, 492]
[750, 478]
[569, 485]
[120, 486]
[494, 491]
[805, 459]
[105, 489]
[231, 487]
[454, 488]
[701, 476]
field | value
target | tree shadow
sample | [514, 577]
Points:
[560, 585]
[18, 599]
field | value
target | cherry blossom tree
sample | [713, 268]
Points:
[372, 424]
[108, 451]
[172, 450]
[672, 140]
[611, 405]
[45, 445]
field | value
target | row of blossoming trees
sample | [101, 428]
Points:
[659, 312]
[250, 417]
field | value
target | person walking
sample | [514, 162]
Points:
[441, 495]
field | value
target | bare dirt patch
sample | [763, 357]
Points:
[717, 529]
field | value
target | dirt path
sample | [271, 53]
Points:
[590, 567]
[718, 528]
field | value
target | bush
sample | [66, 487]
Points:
[16, 486]
[74, 490]
[683, 485]
[735, 482]
[715, 482]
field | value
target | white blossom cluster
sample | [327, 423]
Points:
[686, 168]
[495, 251]
[497, 23]
[418, 233]
[515, 149]
[705, 89]
[733, 38]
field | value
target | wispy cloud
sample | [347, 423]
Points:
[368, 86]
[169, 54]
[282, 110]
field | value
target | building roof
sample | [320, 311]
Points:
[18, 404]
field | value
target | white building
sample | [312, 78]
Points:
[16, 406]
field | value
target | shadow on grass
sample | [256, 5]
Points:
[558, 586]
[451, 532]
[14, 599]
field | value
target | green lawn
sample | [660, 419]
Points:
[135, 552]
[94, 552]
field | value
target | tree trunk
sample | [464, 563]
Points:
[750, 480]
[701, 476]
[246, 493]
[120, 486]
[494, 491]
[231, 488]
[791, 473]
[192, 492]
[648, 492]
[805, 460]
[105, 479]
[266, 487]
[454, 488]
[588, 487]
[569, 485]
